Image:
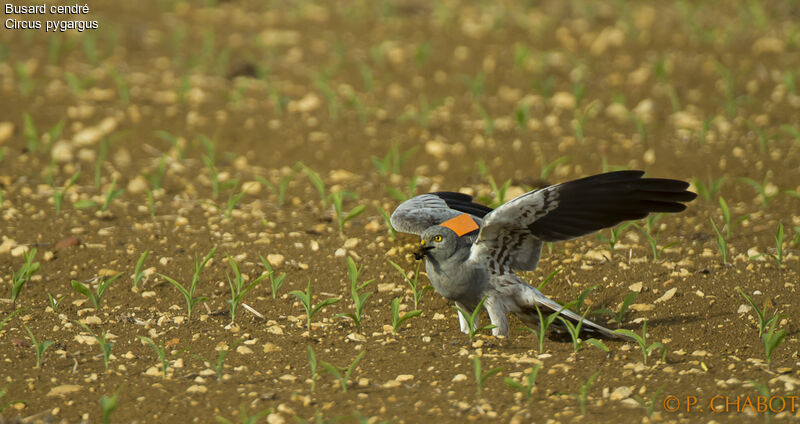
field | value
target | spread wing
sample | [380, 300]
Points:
[420, 212]
[511, 236]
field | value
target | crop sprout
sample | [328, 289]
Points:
[472, 319]
[188, 294]
[307, 300]
[397, 319]
[359, 298]
[416, 290]
[343, 374]
[646, 348]
[97, 295]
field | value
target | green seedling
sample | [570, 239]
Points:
[522, 114]
[762, 188]
[726, 215]
[393, 161]
[653, 241]
[90, 49]
[399, 195]
[219, 365]
[54, 46]
[11, 315]
[416, 290]
[388, 222]
[138, 272]
[333, 102]
[161, 351]
[238, 288]
[778, 256]
[530, 382]
[763, 321]
[123, 92]
[584, 392]
[352, 101]
[111, 194]
[151, 204]
[722, 244]
[763, 139]
[522, 54]
[307, 299]
[480, 376]
[105, 345]
[614, 237]
[579, 120]
[24, 275]
[641, 128]
[771, 339]
[472, 319]
[545, 86]
[276, 283]
[488, 122]
[312, 363]
[54, 302]
[317, 182]
[26, 83]
[499, 192]
[343, 374]
[233, 200]
[792, 131]
[582, 298]
[398, 320]
[366, 76]
[626, 303]
[77, 84]
[282, 188]
[109, 404]
[575, 332]
[708, 191]
[245, 418]
[98, 163]
[192, 301]
[32, 137]
[475, 84]
[38, 347]
[217, 186]
[649, 403]
[544, 324]
[5, 405]
[96, 296]
[156, 179]
[341, 217]
[548, 278]
[730, 91]
[764, 391]
[642, 342]
[549, 167]
[423, 52]
[359, 299]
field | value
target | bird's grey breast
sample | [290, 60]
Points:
[462, 282]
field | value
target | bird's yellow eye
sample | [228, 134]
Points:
[437, 238]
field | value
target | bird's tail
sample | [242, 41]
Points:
[531, 298]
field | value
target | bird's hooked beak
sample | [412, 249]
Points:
[423, 250]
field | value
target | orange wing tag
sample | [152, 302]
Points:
[461, 224]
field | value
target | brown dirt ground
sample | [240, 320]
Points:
[680, 89]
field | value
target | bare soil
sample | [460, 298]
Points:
[686, 90]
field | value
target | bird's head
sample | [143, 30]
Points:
[437, 242]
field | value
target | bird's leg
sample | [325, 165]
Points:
[497, 314]
[462, 322]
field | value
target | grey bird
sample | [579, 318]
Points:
[472, 251]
